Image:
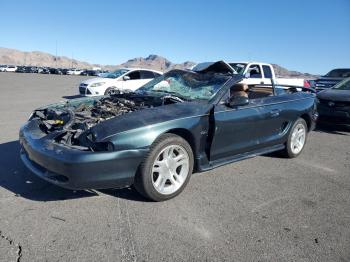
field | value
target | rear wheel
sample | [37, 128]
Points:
[166, 170]
[296, 139]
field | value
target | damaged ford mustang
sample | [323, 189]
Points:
[155, 137]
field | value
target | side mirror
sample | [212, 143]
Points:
[237, 101]
[126, 78]
[247, 75]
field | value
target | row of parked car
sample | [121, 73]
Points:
[51, 70]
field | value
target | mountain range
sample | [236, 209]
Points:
[156, 62]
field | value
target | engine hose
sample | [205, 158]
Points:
[71, 119]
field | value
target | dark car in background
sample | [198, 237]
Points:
[21, 69]
[90, 73]
[63, 70]
[331, 78]
[154, 138]
[44, 70]
[334, 104]
[27, 69]
[55, 71]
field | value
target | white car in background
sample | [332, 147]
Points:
[74, 71]
[8, 68]
[121, 79]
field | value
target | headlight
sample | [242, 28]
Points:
[97, 84]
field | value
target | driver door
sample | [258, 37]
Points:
[235, 130]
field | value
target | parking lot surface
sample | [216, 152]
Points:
[261, 209]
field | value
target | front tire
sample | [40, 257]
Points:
[166, 169]
[110, 90]
[296, 139]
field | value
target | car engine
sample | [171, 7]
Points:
[71, 123]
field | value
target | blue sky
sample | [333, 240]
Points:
[305, 35]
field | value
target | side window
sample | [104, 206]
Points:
[267, 71]
[135, 75]
[255, 71]
[147, 74]
[156, 74]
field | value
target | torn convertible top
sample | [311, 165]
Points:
[215, 67]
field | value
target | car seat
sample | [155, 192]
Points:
[239, 89]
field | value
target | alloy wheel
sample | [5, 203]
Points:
[170, 169]
[298, 138]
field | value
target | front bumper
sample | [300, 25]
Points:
[88, 91]
[75, 169]
[333, 116]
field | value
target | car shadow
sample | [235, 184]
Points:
[72, 97]
[129, 193]
[16, 178]
[330, 129]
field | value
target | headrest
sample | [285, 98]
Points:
[239, 87]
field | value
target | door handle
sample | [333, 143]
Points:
[262, 82]
[275, 112]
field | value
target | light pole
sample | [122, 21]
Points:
[56, 54]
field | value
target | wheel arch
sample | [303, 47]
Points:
[185, 134]
[308, 121]
[188, 136]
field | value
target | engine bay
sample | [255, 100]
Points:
[72, 122]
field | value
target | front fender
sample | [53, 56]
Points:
[144, 137]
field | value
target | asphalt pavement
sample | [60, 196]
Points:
[261, 209]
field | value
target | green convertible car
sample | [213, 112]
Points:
[155, 137]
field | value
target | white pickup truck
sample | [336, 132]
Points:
[256, 73]
[261, 73]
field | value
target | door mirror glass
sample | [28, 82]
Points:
[126, 78]
[237, 101]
